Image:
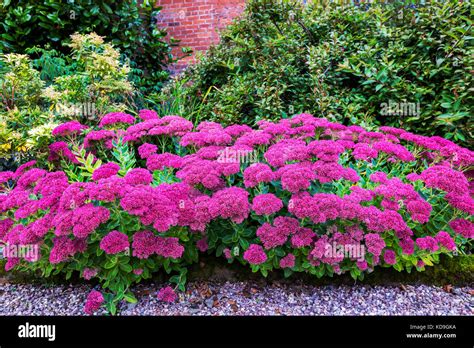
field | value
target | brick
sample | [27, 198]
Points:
[195, 23]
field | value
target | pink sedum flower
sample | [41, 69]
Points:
[255, 254]
[146, 150]
[68, 128]
[94, 302]
[167, 295]
[445, 240]
[89, 273]
[105, 171]
[266, 204]
[389, 257]
[288, 261]
[114, 242]
[113, 118]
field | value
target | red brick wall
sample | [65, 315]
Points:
[196, 22]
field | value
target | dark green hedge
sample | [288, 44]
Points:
[130, 25]
[408, 66]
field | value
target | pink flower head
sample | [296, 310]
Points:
[266, 204]
[168, 247]
[138, 176]
[331, 171]
[227, 253]
[463, 227]
[152, 207]
[59, 150]
[303, 237]
[114, 242]
[138, 271]
[271, 236]
[63, 248]
[255, 254]
[29, 178]
[100, 137]
[257, 173]
[113, 118]
[427, 243]
[446, 179]
[446, 240]
[5, 177]
[11, 263]
[202, 244]
[286, 150]
[374, 243]
[407, 245]
[87, 219]
[68, 128]
[94, 302]
[5, 227]
[379, 177]
[296, 177]
[144, 244]
[167, 294]
[362, 265]
[390, 257]
[326, 150]
[230, 203]
[363, 151]
[254, 138]
[462, 202]
[89, 273]
[163, 160]
[105, 171]
[146, 150]
[419, 210]
[398, 151]
[237, 130]
[288, 261]
[146, 115]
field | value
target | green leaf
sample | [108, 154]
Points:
[129, 297]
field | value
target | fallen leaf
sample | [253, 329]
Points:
[448, 288]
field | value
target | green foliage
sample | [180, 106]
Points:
[99, 78]
[388, 64]
[172, 101]
[130, 25]
[20, 83]
[37, 94]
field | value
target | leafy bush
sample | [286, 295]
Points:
[377, 64]
[301, 195]
[130, 25]
[99, 78]
[83, 87]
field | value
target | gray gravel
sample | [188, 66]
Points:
[240, 298]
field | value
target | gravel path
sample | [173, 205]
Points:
[239, 298]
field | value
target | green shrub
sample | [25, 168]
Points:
[130, 25]
[94, 82]
[380, 64]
